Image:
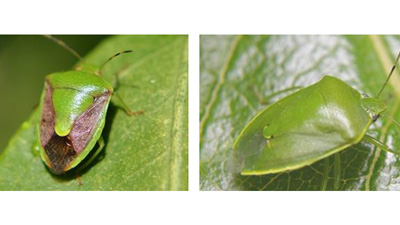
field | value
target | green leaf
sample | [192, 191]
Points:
[146, 152]
[241, 75]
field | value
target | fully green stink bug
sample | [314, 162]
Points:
[308, 125]
[73, 108]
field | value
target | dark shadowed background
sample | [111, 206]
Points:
[24, 62]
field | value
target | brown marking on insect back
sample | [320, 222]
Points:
[83, 130]
[61, 151]
[48, 116]
[58, 149]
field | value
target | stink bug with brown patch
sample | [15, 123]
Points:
[73, 109]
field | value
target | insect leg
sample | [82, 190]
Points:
[337, 175]
[390, 118]
[116, 95]
[379, 144]
[126, 108]
[36, 148]
[98, 150]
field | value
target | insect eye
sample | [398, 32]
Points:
[375, 117]
[365, 95]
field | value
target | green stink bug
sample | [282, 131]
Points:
[308, 125]
[73, 108]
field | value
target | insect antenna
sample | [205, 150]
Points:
[390, 74]
[112, 57]
[65, 46]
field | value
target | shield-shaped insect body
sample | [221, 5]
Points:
[73, 107]
[306, 126]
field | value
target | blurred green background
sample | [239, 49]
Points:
[24, 62]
